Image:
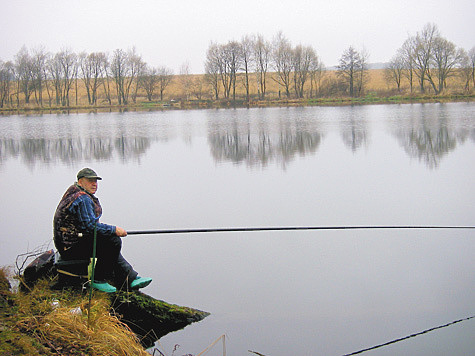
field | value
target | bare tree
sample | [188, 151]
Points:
[55, 72]
[67, 61]
[24, 74]
[349, 70]
[155, 78]
[197, 87]
[106, 78]
[148, 81]
[247, 45]
[62, 68]
[362, 72]
[467, 68]
[317, 71]
[233, 58]
[91, 66]
[423, 47]
[39, 62]
[186, 80]
[6, 79]
[465, 72]
[262, 58]
[165, 76]
[303, 56]
[119, 69]
[222, 61]
[212, 69]
[225, 61]
[394, 71]
[282, 55]
[407, 52]
[444, 61]
[136, 67]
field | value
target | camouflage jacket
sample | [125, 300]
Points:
[75, 218]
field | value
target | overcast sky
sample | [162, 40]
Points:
[170, 33]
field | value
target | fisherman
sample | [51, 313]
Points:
[75, 219]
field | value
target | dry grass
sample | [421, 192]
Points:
[376, 85]
[47, 322]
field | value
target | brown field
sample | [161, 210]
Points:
[376, 86]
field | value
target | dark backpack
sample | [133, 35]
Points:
[41, 266]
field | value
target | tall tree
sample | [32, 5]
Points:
[67, 60]
[106, 77]
[317, 71]
[247, 45]
[24, 74]
[6, 80]
[445, 59]
[407, 52]
[119, 69]
[394, 71]
[423, 48]
[212, 69]
[233, 58]
[186, 80]
[362, 72]
[303, 57]
[262, 58]
[282, 55]
[91, 66]
[467, 68]
[39, 62]
[136, 67]
[349, 70]
[165, 76]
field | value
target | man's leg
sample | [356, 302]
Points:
[123, 272]
[111, 265]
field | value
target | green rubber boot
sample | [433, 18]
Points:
[140, 282]
[103, 287]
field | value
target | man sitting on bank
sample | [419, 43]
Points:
[75, 219]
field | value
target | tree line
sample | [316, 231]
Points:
[243, 69]
[254, 57]
[428, 60]
[51, 78]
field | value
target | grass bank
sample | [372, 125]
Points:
[46, 322]
[369, 99]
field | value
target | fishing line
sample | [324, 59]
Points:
[410, 336]
[292, 228]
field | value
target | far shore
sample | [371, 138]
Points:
[238, 103]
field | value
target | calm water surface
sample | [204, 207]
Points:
[277, 293]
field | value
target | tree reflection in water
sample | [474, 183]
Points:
[432, 135]
[71, 150]
[261, 145]
[255, 138]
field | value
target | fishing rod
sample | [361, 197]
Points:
[292, 228]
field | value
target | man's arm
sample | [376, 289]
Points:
[84, 207]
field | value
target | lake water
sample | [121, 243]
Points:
[276, 293]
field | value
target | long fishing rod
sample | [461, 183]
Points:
[291, 228]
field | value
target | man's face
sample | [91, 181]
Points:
[90, 185]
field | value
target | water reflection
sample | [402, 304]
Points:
[429, 135]
[71, 150]
[355, 134]
[253, 137]
[242, 143]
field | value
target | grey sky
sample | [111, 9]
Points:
[171, 33]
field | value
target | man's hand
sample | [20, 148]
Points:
[120, 231]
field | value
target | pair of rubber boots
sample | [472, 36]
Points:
[138, 282]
